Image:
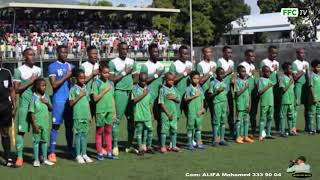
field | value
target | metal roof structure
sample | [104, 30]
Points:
[84, 7]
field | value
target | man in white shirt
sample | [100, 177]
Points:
[300, 74]
[181, 68]
[248, 64]
[274, 67]
[228, 65]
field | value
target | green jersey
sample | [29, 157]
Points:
[105, 104]
[215, 86]
[141, 109]
[151, 68]
[274, 66]
[23, 74]
[315, 83]
[244, 99]
[288, 96]
[81, 110]
[117, 66]
[194, 106]
[169, 104]
[178, 68]
[40, 110]
[266, 99]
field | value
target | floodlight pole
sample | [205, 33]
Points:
[14, 21]
[191, 37]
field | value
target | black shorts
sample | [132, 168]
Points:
[5, 116]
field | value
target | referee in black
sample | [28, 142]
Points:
[7, 110]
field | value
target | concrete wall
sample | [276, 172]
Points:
[286, 51]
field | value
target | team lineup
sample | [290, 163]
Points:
[106, 92]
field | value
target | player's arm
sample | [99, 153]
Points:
[188, 98]
[216, 92]
[21, 88]
[136, 99]
[314, 99]
[238, 93]
[55, 83]
[285, 89]
[298, 75]
[47, 103]
[178, 77]
[261, 91]
[74, 101]
[97, 97]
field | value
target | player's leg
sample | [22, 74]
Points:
[68, 123]
[130, 123]
[246, 122]
[22, 128]
[190, 129]
[198, 130]
[99, 132]
[254, 111]
[291, 111]
[35, 144]
[138, 132]
[216, 119]
[239, 127]
[262, 122]
[312, 112]
[318, 117]
[5, 123]
[283, 116]
[270, 113]
[276, 109]
[222, 123]
[230, 116]
[149, 129]
[297, 92]
[121, 101]
[165, 126]
[173, 134]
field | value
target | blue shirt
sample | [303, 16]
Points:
[59, 70]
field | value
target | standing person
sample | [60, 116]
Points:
[122, 70]
[300, 72]
[218, 96]
[206, 68]
[143, 113]
[266, 104]
[79, 101]
[243, 106]
[169, 98]
[39, 114]
[103, 94]
[287, 99]
[7, 111]
[228, 65]
[91, 70]
[274, 67]
[194, 97]
[181, 68]
[248, 64]
[155, 70]
[315, 98]
[24, 77]
[60, 80]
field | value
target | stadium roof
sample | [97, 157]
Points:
[83, 7]
[262, 23]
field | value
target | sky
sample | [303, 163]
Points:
[251, 3]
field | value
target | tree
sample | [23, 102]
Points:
[103, 3]
[122, 5]
[210, 19]
[304, 26]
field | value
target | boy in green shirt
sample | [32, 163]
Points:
[103, 95]
[79, 99]
[169, 97]
[266, 103]
[194, 97]
[218, 94]
[39, 110]
[315, 95]
[243, 106]
[142, 111]
[287, 99]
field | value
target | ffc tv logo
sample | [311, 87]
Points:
[294, 12]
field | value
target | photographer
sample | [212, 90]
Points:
[298, 165]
